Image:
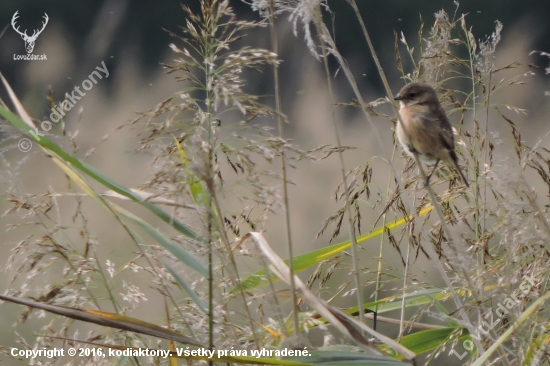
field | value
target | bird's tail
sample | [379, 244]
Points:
[462, 175]
[457, 167]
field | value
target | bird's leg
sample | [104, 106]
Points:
[430, 175]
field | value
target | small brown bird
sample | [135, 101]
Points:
[427, 126]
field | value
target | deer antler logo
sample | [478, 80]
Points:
[29, 40]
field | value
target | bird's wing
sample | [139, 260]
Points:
[447, 140]
[441, 120]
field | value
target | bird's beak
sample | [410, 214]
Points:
[397, 97]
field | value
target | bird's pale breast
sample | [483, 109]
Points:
[424, 134]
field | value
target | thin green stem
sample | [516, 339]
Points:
[215, 223]
[354, 247]
[209, 177]
[280, 123]
[381, 251]
[210, 288]
[487, 104]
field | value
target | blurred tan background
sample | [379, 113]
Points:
[128, 36]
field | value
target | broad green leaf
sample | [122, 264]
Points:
[197, 191]
[202, 305]
[427, 340]
[247, 360]
[95, 174]
[180, 253]
[106, 319]
[315, 257]
[341, 358]
[183, 255]
[415, 299]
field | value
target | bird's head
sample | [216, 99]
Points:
[416, 93]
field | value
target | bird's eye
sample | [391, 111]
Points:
[412, 95]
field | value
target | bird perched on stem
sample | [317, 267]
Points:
[427, 131]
